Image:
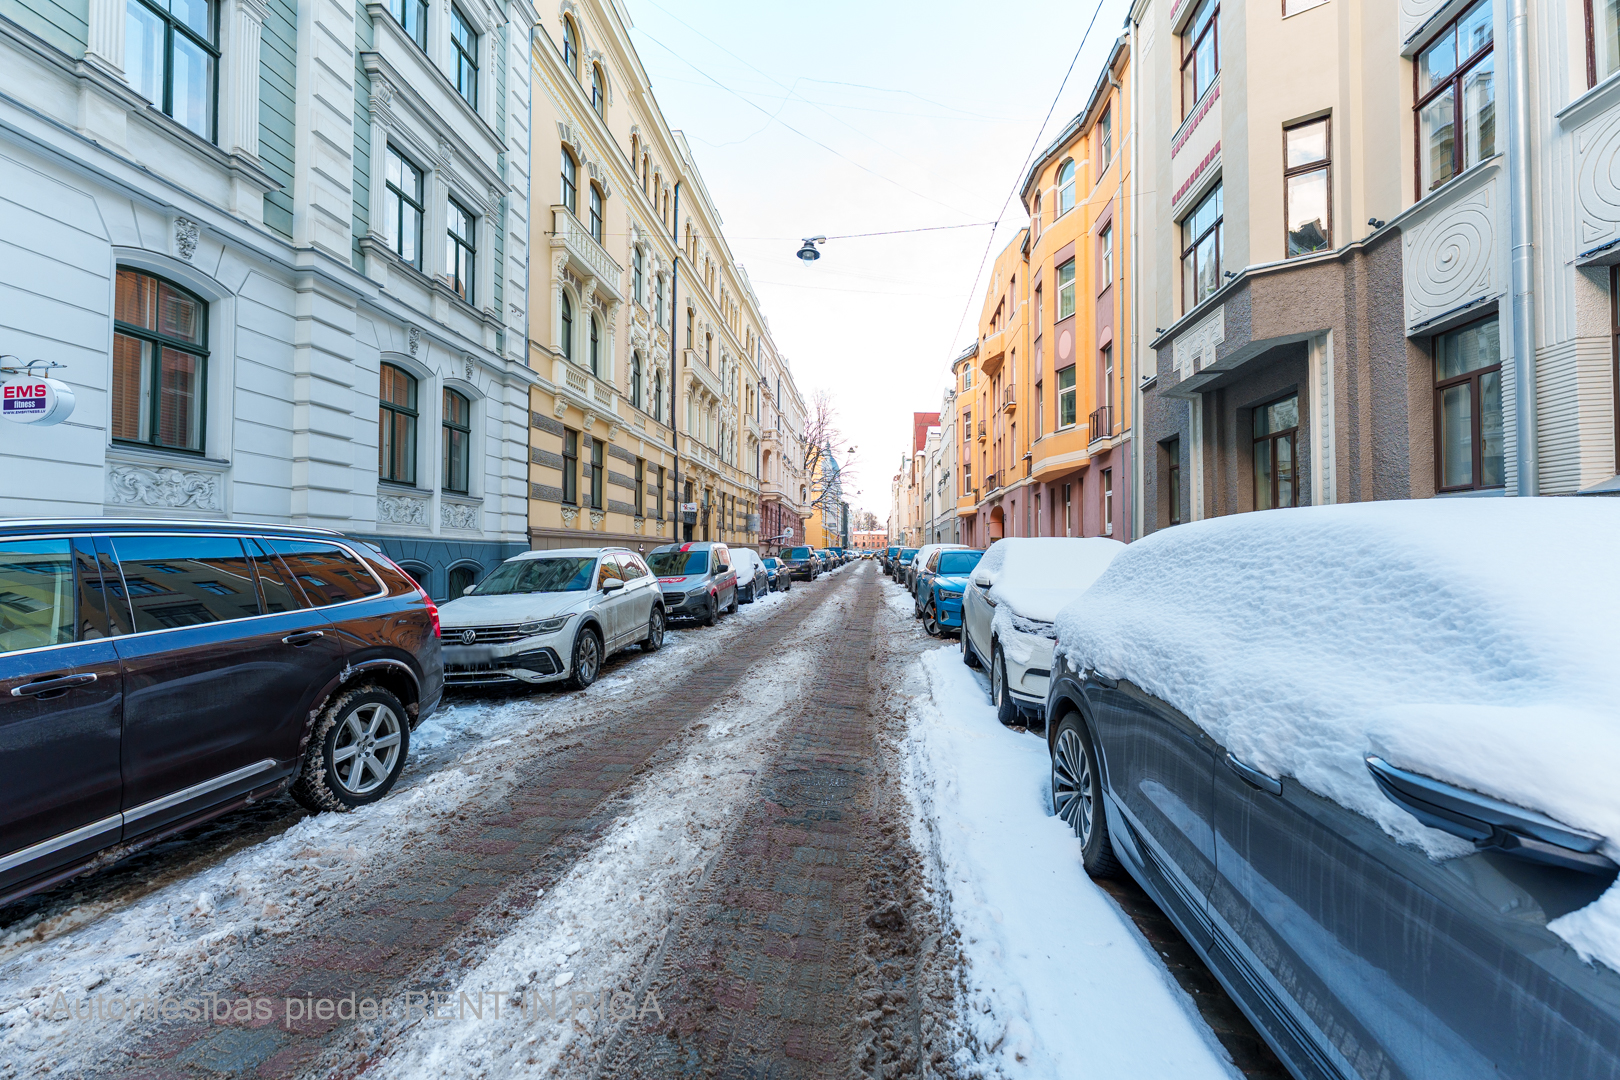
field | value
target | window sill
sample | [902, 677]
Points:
[399, 487]
[146, 454]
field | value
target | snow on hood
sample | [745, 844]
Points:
[1038, 576]
[1473, 640]
[510, 608]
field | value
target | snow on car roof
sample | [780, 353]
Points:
[1038, 576]
[1472, 640]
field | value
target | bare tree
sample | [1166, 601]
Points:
[826, 460]
[866, 521]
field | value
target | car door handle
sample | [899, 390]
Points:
[302, 638]
[51, 685]
[1253, 777]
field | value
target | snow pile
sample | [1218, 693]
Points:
[1472, 640]
[1058, 982]
[1038, 576]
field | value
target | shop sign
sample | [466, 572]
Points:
[31, 400]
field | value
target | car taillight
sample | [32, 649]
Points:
[432, 608]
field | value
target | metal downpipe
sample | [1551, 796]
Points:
[1523, 241]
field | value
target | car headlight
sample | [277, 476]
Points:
[545, 626]
[1035, 627]
[950, 594]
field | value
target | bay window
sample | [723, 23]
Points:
[1066, 406]
[1456, 98]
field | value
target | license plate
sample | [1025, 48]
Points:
[469, 654]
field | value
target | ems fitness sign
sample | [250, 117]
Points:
[30, 400]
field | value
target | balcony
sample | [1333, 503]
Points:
[590, 260]
[589, 394]
[1101, 423]
[1009, 398]
[992, 481]
[702, 374]
[981, 431]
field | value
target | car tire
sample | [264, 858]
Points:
[587, 660]
[712, 612]
[969, 657]
[1077, 795]
[342, 770]
[732, 610]
[1000, 697]
[930, 620]
[655, 631]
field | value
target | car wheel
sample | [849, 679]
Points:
[587, 659]
[969, 657]
[655, 631]
[1077, 796]
[356, 751]
[712, 612]
[930, 620]
[1006, 710]
[732, 610]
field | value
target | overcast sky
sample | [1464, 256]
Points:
[836, 117]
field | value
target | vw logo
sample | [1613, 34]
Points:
[468, 637]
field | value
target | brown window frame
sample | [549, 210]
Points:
[1454, 82]
[1172, 479]
[570, 477]
[1272, 438]
[1324, 165]
[1189, 55]
[1476, 396]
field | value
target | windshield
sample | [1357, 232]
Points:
[538, 575]
[771, 563]
[799, 553]
[908, 553]
[678, 563]
[959, 562]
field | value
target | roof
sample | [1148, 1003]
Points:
[1080, 121]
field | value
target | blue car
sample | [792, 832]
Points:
[945, 580]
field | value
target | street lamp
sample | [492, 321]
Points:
[808, 252]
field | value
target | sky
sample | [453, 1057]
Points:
[835, 118]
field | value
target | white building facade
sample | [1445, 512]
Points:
[281, 253]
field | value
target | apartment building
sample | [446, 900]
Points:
[784, 489]
[280, 251]
[1336, 313]
[647, 340]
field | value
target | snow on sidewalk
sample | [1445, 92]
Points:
[1056, 981]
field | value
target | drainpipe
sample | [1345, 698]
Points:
[1523, 280]
[674, 364]
[1138, 454]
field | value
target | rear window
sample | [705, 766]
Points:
[678, 563]
[328, 573]
[799, 553]
[36, 594]
[175, 581]
[906, 553]
[959, 562]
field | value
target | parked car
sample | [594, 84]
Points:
[753, 580]
[550, 616]
[697, 578]
[777, 572]
[941, 583]
[802, 563]
[1010, 606]
[918, 562]
[890, 554]
[829, 561]
[1363, 756]
[157, 674]
[902, 562]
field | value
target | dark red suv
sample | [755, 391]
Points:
[157, 674]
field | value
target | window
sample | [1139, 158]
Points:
[596, 213]
[1468, 407]
[402, 207]
[462, 578]
[1602, 39]
[1108, 502]
[596, 348]
[1455, 89]
[396, 435]
[1276, 430]
[570, 183]
[329, 574]
[1105, 392]
[460, 255]
[457, 442]
[38, 607]
[1065, 276]
[1040, 408]
[638, 277]
[170, 59]
[1065, 179]
[658, 299]
[570, 46]
[635, 379]
[1201, 251]
[177, 581]
[597, 488]
[1105, 137]
[1066, 407]
[658, 396]
[658, 495]
[1035, 218]
[1307, 189]
[641, 488]
[598, 93]
[1200, 54]
[570, 493]
[412, 17]
[1172, 481]
[1105, 251]
[1068, 507]
[464, 46]
[160, 364]
[566, 335]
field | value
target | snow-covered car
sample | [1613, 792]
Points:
[942, 584]
[918, 563]
[1010, 608]
[753, 580]
[697, 578]
[1365, 757]
[547, 616]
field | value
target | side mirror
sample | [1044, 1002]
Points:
[612, 585]
[468, 591]
[982, 578]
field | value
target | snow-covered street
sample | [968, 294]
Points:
[800, 835]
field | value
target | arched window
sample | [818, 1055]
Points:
[646, 175]
[596, 213]
[598, 90]
[160, 363]
[658, 396]
[570, 182]
[457, 427]
[708, 350]
[396, 422]
[570, 46]
[420, 573]
[635, 151]
[638, 277]
[1065, 179]
[462, 578]
[635, 379]
[596, 349]
[566, 337]
[1040, 202]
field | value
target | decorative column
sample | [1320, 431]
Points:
[611, 376]
[105, 45]
[241, 134]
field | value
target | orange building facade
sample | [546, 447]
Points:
[1044, 394]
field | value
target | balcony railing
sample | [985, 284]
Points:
[1009, 398]
[1102, 422]
[591, 259]
[991, 482]
[981, 431]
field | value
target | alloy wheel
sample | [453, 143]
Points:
[655, 630]
[998, 679]
[1071, 783]
[930, 621]
[588, 656]
[367, 748]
